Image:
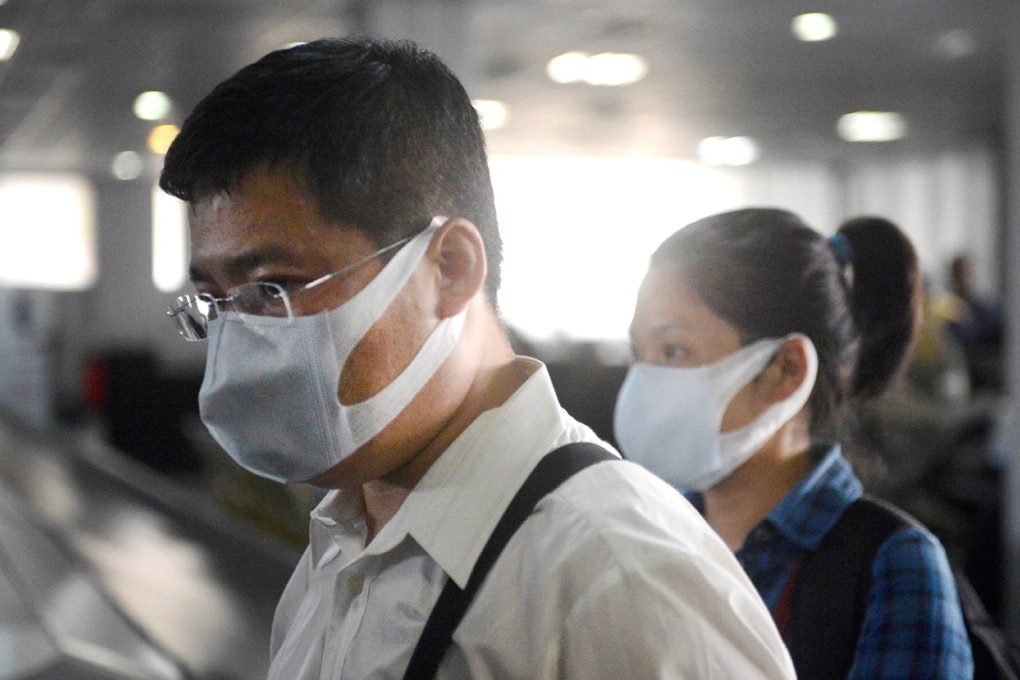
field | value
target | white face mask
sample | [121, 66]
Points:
[669, 419]
[269, 396]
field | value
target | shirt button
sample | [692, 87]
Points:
[355, 585]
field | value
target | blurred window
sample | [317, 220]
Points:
[169, 242]
[47, 232]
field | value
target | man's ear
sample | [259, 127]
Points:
[787, 371]
[458, 250]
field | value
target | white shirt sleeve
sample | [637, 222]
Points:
[674, 620]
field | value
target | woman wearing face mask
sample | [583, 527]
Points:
[753, 334]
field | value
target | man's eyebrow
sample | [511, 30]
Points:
[237, 267]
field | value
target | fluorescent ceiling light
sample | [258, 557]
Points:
[872, 126]
[606, 68]
[8, 43]
[614, 68]
[152, 105]
[728, 151]
[814, 27]
[492, 112]
[567, 67]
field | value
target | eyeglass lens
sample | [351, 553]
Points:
[190, 315]
[255, 300]
[255, 303]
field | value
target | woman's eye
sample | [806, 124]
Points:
[673, 352]
[654, 353]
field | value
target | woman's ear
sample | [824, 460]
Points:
[788, 370]
[460, 255]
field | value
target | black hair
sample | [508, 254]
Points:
[768, 274]
[886, 299]
[380, 132]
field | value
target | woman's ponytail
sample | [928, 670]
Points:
[884, 284]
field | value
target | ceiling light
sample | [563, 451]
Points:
[567, 67]
[492, 112]
[814, 27]
[872, 126]
[614, 68]
[161, 137]
[127, 165]
[152, 105]
[728, 151]
[8, 43]
[607, 68]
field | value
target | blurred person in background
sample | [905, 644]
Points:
[977, 324]
[753, 334]
[346, 256]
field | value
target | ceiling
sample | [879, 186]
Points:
[716, 67]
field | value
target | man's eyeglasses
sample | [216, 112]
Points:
[256, 304]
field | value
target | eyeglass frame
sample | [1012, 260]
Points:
[194, 327]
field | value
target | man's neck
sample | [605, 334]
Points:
[382, 501]
[494, 383]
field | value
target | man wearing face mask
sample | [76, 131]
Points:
[346, 258]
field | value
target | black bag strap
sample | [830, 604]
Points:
[830, 595]
[555, 468]
[995, 655]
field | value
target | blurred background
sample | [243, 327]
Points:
[131, 548]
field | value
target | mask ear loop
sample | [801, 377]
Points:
[776, 415]
[802, 393]
[810, 370]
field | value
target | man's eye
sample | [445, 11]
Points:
[287, 285]
[269, 293]
[261, 299]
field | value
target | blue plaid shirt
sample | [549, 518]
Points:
[913, 627]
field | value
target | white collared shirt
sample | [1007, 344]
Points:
[614, 576]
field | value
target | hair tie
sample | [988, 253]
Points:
[840, 245]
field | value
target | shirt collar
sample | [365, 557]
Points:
[337, 525]
[453, 510]
[812, 507]
[815, 504]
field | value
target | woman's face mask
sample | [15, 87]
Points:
[669, 419]
[269, 396]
